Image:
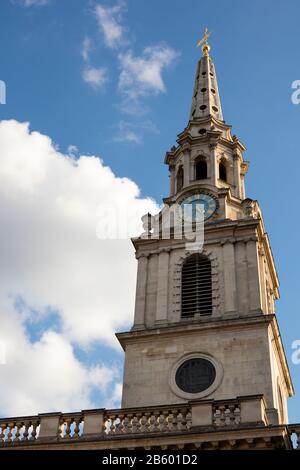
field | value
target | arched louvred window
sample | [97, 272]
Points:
[222, 171]
[201, 170]
[196, 286]
[179, 179]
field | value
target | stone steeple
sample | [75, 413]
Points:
[212, 309]
[207, 155]
[206, 100]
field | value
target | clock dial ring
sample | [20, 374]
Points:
[188, 206]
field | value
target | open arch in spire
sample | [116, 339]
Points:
[223, 170]
[200, 168]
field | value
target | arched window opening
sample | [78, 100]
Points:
[196, 286]
[179, 179]
[201, 170]
[222, 172]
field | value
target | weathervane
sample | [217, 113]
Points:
[205, 47]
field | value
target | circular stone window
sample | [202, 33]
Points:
[195, 375]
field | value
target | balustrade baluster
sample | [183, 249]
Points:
[173, 420]
[237, 415]
[217, 417]
[119, 423]
[34, 430]
[179, 421]
[188, 419]
[67, 428]
[111, 424]
[183, 419]
[76, 427]
[18, 433]
[9, 435]
[162, 421]
[147, 423]
[134, 424]
[227, 416]
[143, 427]
[26, 425]
[156, 415]
[3, 428]
[151, 422]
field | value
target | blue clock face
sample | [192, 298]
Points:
[193, 206]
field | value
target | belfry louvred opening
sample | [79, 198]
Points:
[196, 286]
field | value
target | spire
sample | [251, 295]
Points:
[206, 100]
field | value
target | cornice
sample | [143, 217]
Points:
[217, 227]
[192, 327]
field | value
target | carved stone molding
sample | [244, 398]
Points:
[213, 145]
[186, 148]
[200, 155]
[250, 208]
[141, 255]
[223, 157]
[230, 240]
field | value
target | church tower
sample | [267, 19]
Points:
[205, 325]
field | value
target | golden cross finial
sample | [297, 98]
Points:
[205, 47]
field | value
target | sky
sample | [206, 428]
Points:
[99, 90]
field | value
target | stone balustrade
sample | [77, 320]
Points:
[19, 429]
[104, 424]
[70, 425]
[226, 414]
[160, 419]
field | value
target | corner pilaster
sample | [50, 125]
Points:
[141, 286]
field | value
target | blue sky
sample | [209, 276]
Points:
[63, 76]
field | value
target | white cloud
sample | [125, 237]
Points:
[142, 75]
[110, 23]
[45, 375]
[86, 48]
[52, 259]
[95, 77]
[132, 132]
[126, 133]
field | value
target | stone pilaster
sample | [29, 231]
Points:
[186, 167]
[140, 297]
[214, 164]
[172, 180]
[162, 287]
[262, 269]
[236, 175]
[241, 277]
[230, 303]
[253, 276]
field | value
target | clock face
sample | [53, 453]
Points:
[192, 206]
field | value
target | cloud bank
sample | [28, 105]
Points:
[58, 280]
